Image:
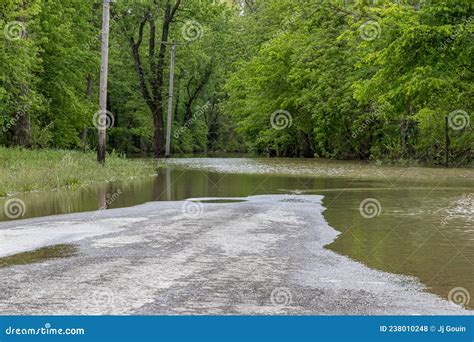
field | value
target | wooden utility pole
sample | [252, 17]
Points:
[170, 102]
[103, 82]
[447, 142]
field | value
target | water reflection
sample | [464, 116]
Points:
[39, 255]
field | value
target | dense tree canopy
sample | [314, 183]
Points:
[373, 79]
[365, 79]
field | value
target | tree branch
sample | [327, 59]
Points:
[175, 8]
[138, 63]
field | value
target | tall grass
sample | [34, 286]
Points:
[28, 170]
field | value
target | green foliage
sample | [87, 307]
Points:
[19, 62]
[65, 34]
[364, 80]
[25, 170]
[358, 79]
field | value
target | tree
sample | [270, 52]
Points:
[152, 83]
[19, 60]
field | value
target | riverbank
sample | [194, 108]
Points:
[23, 170]
[264, 255]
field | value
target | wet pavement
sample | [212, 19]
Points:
[264, 255]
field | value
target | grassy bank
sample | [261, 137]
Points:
[28, 170]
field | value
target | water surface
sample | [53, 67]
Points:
[423, 224]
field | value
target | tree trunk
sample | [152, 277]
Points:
[307, 149]
[22, 127]
[159, 132]
[154, 98]
[194, 95]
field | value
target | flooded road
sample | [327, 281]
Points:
[409, 221]
[260, 255]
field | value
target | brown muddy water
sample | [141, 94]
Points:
[412, 221]
[39, 255]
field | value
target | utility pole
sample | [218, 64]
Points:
[103, 82]
[447, 142]
[170, 102]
